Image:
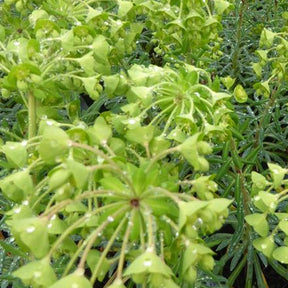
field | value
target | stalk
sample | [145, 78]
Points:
[95, 234]
[236, 52]
[32, 106]
[107, 249]
[77, 223]
[123, 250]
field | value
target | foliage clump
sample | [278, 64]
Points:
[132, 190]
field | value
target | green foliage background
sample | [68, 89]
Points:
[143, 143]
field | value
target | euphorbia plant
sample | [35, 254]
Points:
[94, 199]
[125, 198]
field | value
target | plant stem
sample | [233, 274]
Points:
[73, 258]
[165, 192]
[265, 114]
[75, 225]
[95, 235]
[236, 52]
[151, 244]
[161, 155]
[123, 250]
[106, 250]
[32, 126]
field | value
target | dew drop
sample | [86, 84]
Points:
[272, 205]
[275, 171]
[49, 225]
[12, 147]
[194, 227]
[110, 219]
[58, 159]
[16, 43]
[147, 263]
[263, 246]
[24, 143]
[37, 274]
[17, 210]
[150, 249]
[30, 229]
[199, 221]
[25, 203]
[132, 121]
[49, 122]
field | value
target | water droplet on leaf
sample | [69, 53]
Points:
[37, 274]
[30, 229]
[110, 219]
[147, 263]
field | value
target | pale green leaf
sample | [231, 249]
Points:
[54, 145]
[240, 94]
[79, 173]
[58, 177]
[266, 38]
[124, 8]
[40, 273]
[76, 207]
[221, 6]
[148, 262]
[141, 135]
[281, 254]
[56, 225]
[33, 233]
[72, 281]
[259, 180]
[283, 225]
[17, 186]
[16, 153]
[265, 245]
[102, 131]
[277, 174]
[92, 261]
[259, 223]
[189, 209]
